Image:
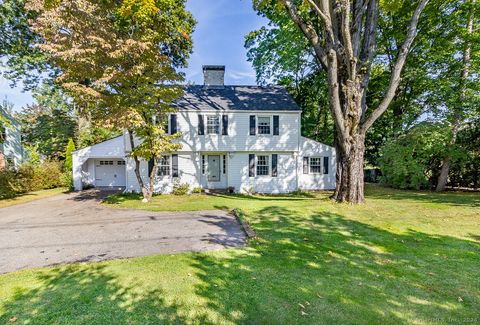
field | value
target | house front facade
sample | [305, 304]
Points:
[243, 138]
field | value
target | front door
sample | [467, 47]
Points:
[213, 168]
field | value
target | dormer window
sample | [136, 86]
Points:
[213, 124]
[263, 125]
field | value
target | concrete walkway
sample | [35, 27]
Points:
[71, 228]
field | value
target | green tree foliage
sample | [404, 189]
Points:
[68, 155]
[22, 60]
[119, 61]
[49, 123]
[411, 161]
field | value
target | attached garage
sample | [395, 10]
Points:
[110, 173]
[100, 165]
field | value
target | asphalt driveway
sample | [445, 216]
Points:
[72, 228]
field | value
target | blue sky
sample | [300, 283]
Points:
[218, 39]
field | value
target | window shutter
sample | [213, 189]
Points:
[201, 125]
[174, 165]
[150, 166]
[173, 123]
[276, 125]
[305, 165]
[251, 165]
[325, 165]
[225, 124]
[274, 165]
[252, 125]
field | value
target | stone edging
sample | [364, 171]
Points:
[245, 225]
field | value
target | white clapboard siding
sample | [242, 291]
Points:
[238, 138]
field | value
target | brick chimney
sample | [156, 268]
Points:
[214, 75]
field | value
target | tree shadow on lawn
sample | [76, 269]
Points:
[326, 269]
[88, 295]
[450, 198]
[312, 269]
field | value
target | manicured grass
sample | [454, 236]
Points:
[403, 257]
[31, 196]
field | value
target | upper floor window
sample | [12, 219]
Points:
[164, 166]
[213, 124]
[262, 165]
[263, 125]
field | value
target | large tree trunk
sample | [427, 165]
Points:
[350, 183]
[345, 47]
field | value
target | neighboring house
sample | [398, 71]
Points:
[11, 150]
[241, 137]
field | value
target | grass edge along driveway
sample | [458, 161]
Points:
[403, 257]
[31, 196]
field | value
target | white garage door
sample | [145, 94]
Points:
[109, 172]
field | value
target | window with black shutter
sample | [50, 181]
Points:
[174, 165]
[253, 127]
[251, 165]
[274, 165]
[325, 165]
[224, 124]
[276, 125]
[150, 167]
[305, 165]
[173, 123]
[201, 125]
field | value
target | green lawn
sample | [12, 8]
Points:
[30, 196]
[403, 257]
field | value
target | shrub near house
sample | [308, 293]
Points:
[30, 177]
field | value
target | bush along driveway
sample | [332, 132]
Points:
[403, 257]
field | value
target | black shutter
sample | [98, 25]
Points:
[325, 165]
[174, 165]
[173, 123]
[252, 125]
[201, 126]
[274, 165]
[225, 124]
[150, 166]
[251, 165]
[305, 165]
[276, 125]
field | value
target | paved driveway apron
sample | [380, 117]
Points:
[71, 228]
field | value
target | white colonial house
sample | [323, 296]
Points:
[243, 138]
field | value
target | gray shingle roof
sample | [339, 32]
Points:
[248, 98]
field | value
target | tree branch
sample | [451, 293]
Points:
[399, 64]
[309, 32]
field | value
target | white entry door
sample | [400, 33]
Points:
[213, 168]
[110, 173]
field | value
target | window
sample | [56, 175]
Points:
[263, 125]
[316, 165]
[121, 162]
[262, 165]
[164, 166]
[224, 164]
[106, 162]
[213, 124]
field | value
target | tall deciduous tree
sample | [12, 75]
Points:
[460, 59]
[343, 37]
[119, 61]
